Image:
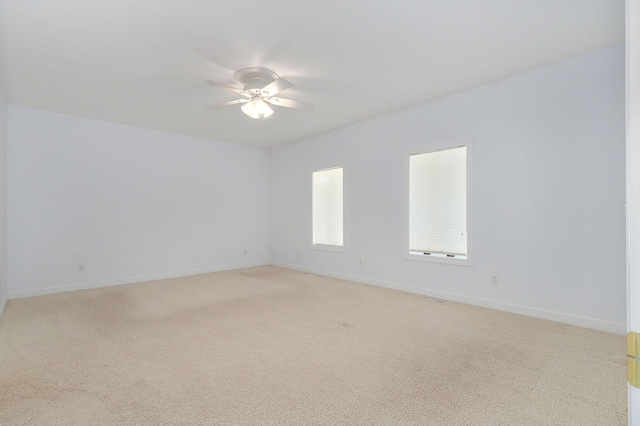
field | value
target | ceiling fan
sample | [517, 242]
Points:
[259, 87]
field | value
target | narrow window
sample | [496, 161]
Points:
[328, 215]
[439, 222]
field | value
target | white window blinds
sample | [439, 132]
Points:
[438, 202]
[328, 223]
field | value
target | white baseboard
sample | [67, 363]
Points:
[594, 324]
[3, 305]
[129, 280]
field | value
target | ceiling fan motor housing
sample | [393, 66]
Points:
[254, 79]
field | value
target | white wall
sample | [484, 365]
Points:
[549, 194]
[128, 203]
[3, 204]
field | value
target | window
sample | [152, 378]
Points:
[327, 209]
[439, 225]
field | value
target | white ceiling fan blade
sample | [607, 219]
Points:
[289, 103]
[276, 86]
[223, 86]
[230, 103]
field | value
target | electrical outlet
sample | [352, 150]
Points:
[244, 251]
[81, 268]
[360, 262]
[494, 280]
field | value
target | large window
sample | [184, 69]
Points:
[328, 214]
[439, 225]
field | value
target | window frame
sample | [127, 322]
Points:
[468, 143]
[326, 247]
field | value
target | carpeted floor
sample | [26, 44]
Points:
[271, 346]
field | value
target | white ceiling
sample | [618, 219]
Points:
[143, 62]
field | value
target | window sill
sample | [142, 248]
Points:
[438, 258]
[322, 247]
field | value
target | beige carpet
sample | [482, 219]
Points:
[270, 346]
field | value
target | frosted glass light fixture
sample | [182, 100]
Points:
[257, 108]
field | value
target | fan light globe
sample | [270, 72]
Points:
[257, 108]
